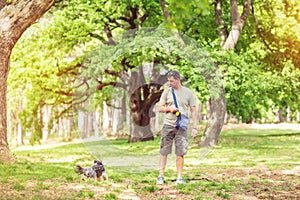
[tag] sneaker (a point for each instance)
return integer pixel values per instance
(160, 180)
(180, 181)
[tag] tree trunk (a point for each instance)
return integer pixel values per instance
(105, 122)
(216, 121)
(143, 97)
(140, 133)
(20, 134)
(279, 116)
(5, 155)
(208, 110)
(45, 117)
(15, 18)
(140, 124)
(288, 115)
(199, 111)
(123, 111)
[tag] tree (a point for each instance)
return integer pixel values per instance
(277, 26)
(110, 20)
(158, 46)
(15, 17)
(228, 42)
(228, 37)
(45, 79)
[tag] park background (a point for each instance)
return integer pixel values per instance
(62, 85)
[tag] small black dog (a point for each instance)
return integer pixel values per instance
(96, 171)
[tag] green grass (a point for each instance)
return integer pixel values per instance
(224, 173)
(251, 147)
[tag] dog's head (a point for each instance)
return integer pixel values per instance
(97, 162)
(89, 172)
(98, 167)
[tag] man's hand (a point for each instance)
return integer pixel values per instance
(194, 132)
(171, 109)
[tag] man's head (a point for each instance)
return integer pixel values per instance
(174, 79)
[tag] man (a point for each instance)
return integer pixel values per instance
(185, 100)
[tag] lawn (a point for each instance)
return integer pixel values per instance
(247, 164)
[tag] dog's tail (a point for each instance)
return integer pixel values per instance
(79, 169)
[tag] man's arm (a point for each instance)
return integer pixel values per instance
(162, 107)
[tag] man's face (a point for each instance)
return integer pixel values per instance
(174, 82)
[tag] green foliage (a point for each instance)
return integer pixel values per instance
(278, 27)
(184, 12)
(160, 45)
(260, 76)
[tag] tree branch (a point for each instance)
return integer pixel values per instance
(259, 32)
(246, 10)
(131, 19)
(168, 18)
(165, 11)
(152, 99)
(237, 23)
(108, 33)
(113, 73)
(112, 83)
(70, 69)
(2, 4)
(125, 64)
(223, 31)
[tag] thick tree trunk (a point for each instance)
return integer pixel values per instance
(5, 155)
(140, 133)
(216, 120)
(143, 97)
(15, 18)
(140, 124)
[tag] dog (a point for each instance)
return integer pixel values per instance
(96, 171)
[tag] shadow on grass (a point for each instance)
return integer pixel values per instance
(277, 135)
(192, 179)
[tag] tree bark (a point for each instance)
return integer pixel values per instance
(238, 23)
(288, 115)
(279, 116)
(298, 116)
(15, 18)
(216, 121)
(143, 96)
(223, 32)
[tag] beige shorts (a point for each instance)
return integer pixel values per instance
(170, 134)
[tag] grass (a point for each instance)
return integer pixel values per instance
(247, 163)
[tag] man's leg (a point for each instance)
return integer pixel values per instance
(179, 165)
(181, 143)
(162, 164)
